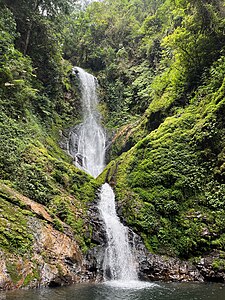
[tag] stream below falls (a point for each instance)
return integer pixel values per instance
(155, 291)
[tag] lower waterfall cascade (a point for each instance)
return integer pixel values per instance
(119, 261)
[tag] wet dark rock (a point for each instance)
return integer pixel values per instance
(64, 137)
(153, 267)
(94, 263)
(71, 261)
(61, 281)
(95, 256)
(158, 267)
(212, 266)
(98, 236)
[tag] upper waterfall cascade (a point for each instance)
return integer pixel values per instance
(87, 140)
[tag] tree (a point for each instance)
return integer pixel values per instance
(40, 25)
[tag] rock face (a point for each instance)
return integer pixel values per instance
(153, 267)
(94, 257)
(157, 267)
(62, 262)
(5, 280)
(212, 267)
(52, 258)
(55, 261)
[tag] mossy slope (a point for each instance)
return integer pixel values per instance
(170, 185)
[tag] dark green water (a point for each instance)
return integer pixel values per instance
(159, 291)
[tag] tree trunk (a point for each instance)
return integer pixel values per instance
(27, 38)
(36, 4)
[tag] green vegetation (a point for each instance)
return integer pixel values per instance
(14, 233)
(160, 66)
(12, 269)
(39, 98)
(170, 184)
(218, 263)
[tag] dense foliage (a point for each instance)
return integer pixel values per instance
(38, 99)
(142, 50)
(160, 66)
(171, 184)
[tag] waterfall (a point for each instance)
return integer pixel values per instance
(87, 141)
(87, 146)
(119, 262)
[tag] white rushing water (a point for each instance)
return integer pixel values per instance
(87, 141)
(87, 146)
(119, 262)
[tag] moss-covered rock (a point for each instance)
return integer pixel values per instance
(170, 185)
(40, 244)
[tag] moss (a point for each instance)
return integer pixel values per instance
(72, 212)
(14, 233)
(12, 269)
(53, 182)
(34, 275)
(219, 264)
(168, 184)
(27, 280)
(35, 112)
(58, 225)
